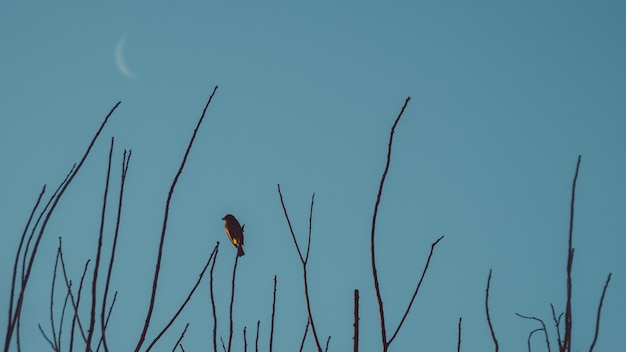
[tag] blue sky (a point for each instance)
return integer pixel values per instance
(504, 97)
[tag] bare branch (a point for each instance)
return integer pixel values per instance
(272, 321)
(308, 245)
(531, 335)
(543, 327)
(54, 348)
(213, 299)
(355, 338)
(182, 306)
(75, 302)
(557, 324)
(306, 330)
(570, 260)
(458, 344)
(125, 162)
(157, 268)
(304, 268)
(293, 235)
(595, 335)
(96, 267)
(419, 284)
(180, 338)
(17, 256)
(256, 340)
(31, 261)
(245, 340)
(493, 335)
(232, 303)
(379, 298)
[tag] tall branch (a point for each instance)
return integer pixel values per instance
(304, 261)
(157, 269)
(567, 339)
(125, 162)
(595, 335)
(379, 297)
(493, 334)
(96, 267)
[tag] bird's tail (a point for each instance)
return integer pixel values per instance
(240, 252)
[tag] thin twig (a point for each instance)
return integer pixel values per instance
(75, 302)
(157, 269)
(125, 163)
(62, 319)
(458, 344)
(379, 298)
(256, 340)
(327, 342)
(213, 298)
(567, 339)
(557, 324)
(595, 335)
(106, 322)
(531, 335)
(180, 338)
(419, 284)
(96, 267)
(308, 244)
(303, 261)
(17, 255)
(47, 338)
(543, 327)
(306, 330)
(293, 235)
(355, 338)
(223, 347)
(493, 334)
(272, 321)
(232, 303)
(245, 340)
(182, 306)
(54, 279)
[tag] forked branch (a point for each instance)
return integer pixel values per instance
(304, 260)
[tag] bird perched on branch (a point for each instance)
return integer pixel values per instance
(234, 232)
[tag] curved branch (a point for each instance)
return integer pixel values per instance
(595, 335)
(373, 252)
(493, 334)
(157, 268)
(419, 284)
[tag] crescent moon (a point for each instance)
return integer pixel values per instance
(120, 62)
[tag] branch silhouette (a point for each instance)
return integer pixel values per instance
(157, 268)
(304, 260)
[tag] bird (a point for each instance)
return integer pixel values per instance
(234, 232)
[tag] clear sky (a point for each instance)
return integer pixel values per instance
(504, 97)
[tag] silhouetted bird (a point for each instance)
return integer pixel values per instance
(234, 232)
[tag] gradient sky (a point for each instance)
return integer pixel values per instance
(504, 97)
